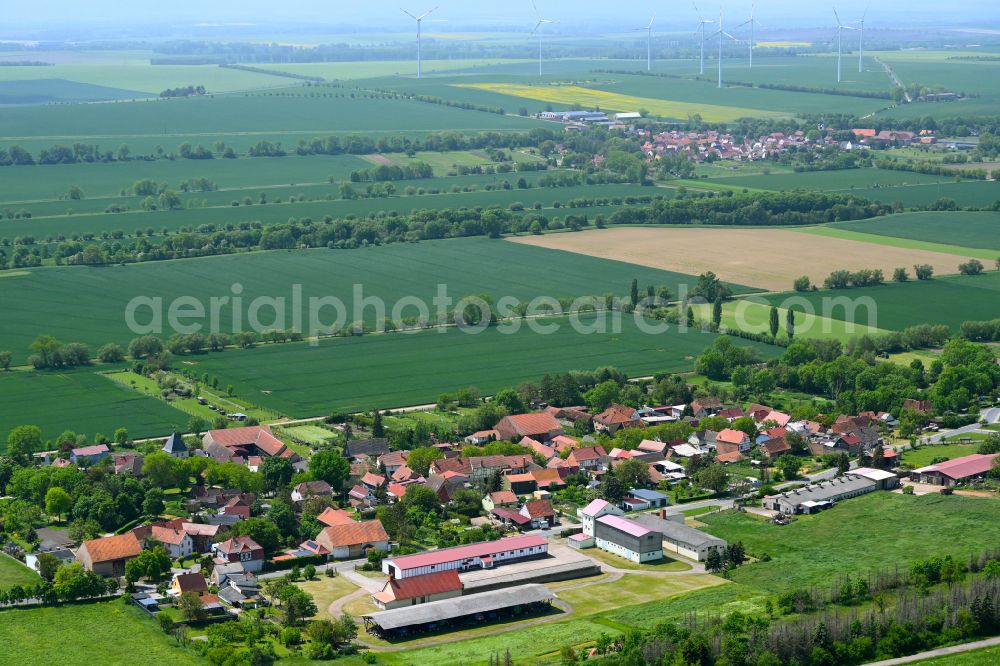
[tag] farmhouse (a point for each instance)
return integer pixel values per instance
(242, 550)
(187, 582)
(107, 556)
(202, 535)
(354, 540)
(418, 590)
(392, 461)
(500, 498)
(627, 538)
(88, 455)
(463, 558)
(177, 542)
(588, 458)
(481, 468)
(588, 515)
(707, 406)
(540, 426)
(128, 463)
(331, 517)
(681, 539)
(370, 448)
(730, 440)
(820, 496)
(540, 513)
(307, 489)
(953, 472)
(774, 448)
(616, 417)
(238, 444)
(638, 499)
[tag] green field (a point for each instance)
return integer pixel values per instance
(891, 241)
(45, 91)
(974, 193)
(222, 212)
(82, 401)
(946, 300)
(382, 371)
(973, 230)
(88, 304)
(109, 633)
(241, 120)
(753, 316)
(833, 181)
(13, 572)
(923, 456)
(43, 182)
(878, 530)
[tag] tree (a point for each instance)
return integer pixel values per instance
(790, 323)
(277, 473)
(633, 473)
(153, 504)
(331, 467)
(5, 360)
(191, 607)
(420, 459)
(261, 530)
(57, 502)
(601, 396)
(47, 348)
(378, 430)
(789, 466)
(923, 271)
(48, 564)
(121, 436)
(717, 311)
(714, 477)
(634, 292)
(802, 284)
(843, 464)
(510, 401)
(971, 267)
(164, 471)
(774, 322)
(23, 441)
(714, 563)
(900, 275)
(612, 489)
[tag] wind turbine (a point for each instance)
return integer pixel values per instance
(419, 20)
(840, 38)
(701, 27)
(861, 42)
(752, 22)
(649, 43)
(722, 34)
(538, 31)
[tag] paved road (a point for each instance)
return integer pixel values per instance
(991, 415)
(815, 477)
(954, 649)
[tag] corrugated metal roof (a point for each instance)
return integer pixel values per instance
(448, 609)
(466, 552)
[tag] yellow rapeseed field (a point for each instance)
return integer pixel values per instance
(609, 101)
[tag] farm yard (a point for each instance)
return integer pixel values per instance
(688, 251)
(88, 304)
(401, 369)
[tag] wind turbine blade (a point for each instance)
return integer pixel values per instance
(867, 7)
(839, 23)
(696, 10)
(408, 14)
(534, 6)
(427, 13)
(651, 21)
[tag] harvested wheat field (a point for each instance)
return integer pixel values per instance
(764, 258)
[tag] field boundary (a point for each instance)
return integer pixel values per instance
(895, 241)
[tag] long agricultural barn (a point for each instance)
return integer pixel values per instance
(811, 499)
(682, 539)
(454, 613)
(474, 556)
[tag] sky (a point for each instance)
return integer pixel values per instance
(456, 14)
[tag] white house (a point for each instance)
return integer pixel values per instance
(177, 542)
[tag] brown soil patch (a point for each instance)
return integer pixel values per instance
(764, 258)
(381, 160)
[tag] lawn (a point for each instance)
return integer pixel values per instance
(947, 300)
(399, 369)
(42, 636)
(700, 510)
(753, 315)
(13, 572)
(875, 530)
(82, 401)
(325, 591)
(310, 433)
(967, 229)
(88, 304)
(982, 657)
(921, 457)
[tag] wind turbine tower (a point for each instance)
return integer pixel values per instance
(701, 28)
(861, 42)
(419, 20)
(538, 31)
(722, 34)
(840, 40)
(752, 22)
(649, 43)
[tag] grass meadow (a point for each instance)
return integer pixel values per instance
(923, 456)
(82, 401)
(400, 369)
(13, 572)
(948, 300)
(109, 633)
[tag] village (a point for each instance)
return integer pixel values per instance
(530, 502)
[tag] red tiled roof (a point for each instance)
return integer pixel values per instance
(528, 424)
(960, 468)
(238, 544)
(511, 515)
(420, 586)
(339, 536)
(332, 517)
(167, 535)
(539, 509)
(371, 479)
(503, 497)
(107, 549)
(730, 436)
(733, 457)
(260, 436)
(588, 453)
(191, 582)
